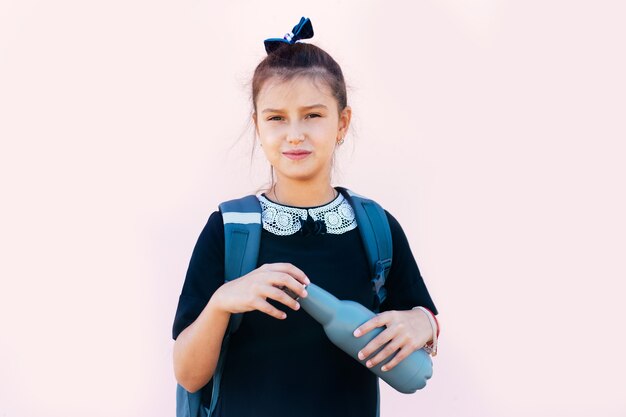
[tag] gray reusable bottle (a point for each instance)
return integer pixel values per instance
(340, 319)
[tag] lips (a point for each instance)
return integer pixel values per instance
(297, 154)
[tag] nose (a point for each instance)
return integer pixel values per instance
(295, 137)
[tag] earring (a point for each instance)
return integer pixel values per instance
(340, 142)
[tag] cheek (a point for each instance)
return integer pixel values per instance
(327, 138)
(271, 147)
(271, 152)
(268, 136)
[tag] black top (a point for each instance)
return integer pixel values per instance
(282, 368)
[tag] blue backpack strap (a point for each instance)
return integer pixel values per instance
(188, 404)
(242, 237)
(376, 235)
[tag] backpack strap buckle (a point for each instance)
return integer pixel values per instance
(382, 268)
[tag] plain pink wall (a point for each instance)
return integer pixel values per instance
(494, 132)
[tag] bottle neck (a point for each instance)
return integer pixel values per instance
(320, 304)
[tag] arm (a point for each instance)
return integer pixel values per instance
(199, 327)
(206, 303)
(407, 329)
(405, 286)
(197, 348)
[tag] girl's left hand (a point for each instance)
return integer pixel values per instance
(407, 331)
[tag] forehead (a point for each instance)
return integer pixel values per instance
(300, 90)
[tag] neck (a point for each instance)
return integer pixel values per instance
(298, 194)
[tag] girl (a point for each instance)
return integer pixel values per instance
(280, 362)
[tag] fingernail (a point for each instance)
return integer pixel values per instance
(284, 315)
(369, 364)
(357, 333)
(305, 293)
(307, 280)
(384, 369)
(361, 356)
(297, 306)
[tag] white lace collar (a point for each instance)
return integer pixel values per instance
(337, 216)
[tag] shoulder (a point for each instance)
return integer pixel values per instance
(394, 225)
(393, 222)
(400, 242)
(215, 225)
(212, 234)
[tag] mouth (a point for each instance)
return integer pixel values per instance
(299, 154)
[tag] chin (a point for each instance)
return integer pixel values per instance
(301, 171)
(299, 175)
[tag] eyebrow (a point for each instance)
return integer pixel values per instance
(312, 106)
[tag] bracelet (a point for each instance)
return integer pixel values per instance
(431, 347)
(434, 317)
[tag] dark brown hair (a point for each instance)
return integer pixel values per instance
(292, 60)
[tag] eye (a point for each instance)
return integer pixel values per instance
(274, 118)
(311, 115)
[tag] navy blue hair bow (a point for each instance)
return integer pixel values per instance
(303, 30)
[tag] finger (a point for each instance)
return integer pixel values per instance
(376, 343)
(270, 310)
(296, 288)
(292, 294)
(283, 280)
(282, 297)
(391, 348)
(376, 321)
(404, 352)
(292, 270)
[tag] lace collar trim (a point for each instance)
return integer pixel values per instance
(336, 217)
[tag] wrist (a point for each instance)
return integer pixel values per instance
(215, 304)
(431, 346)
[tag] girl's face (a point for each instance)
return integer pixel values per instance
(299, 124)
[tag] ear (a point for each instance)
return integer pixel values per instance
(344, 120)
(254, 120)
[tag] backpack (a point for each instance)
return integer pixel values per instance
(242, 236)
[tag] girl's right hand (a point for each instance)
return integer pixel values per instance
(251, 291)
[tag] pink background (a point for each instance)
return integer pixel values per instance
(493, 130)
